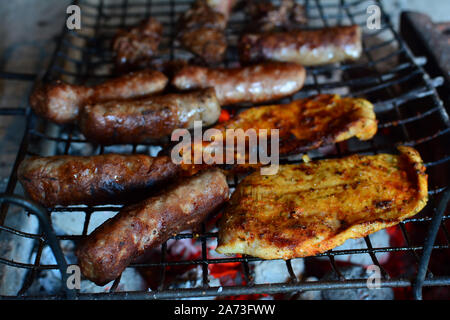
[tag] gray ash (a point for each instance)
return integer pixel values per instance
(355, 272)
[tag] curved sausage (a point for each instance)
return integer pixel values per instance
(101, 179)
(137, 121)
(107, 251)
(61, 102)
(256, 83)
(306, 47)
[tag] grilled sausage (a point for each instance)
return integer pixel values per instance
(108, 178)
(61, 102)
(144, 120)
(108, 250)
(306, 47)
(255, 84)
(136, 46)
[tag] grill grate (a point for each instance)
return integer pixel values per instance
(407, 106)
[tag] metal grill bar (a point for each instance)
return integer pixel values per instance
(396, 92)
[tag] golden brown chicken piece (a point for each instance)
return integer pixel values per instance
(313, 207)
(309, 123)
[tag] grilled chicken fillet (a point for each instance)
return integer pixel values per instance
(266, 16)
(309, 208)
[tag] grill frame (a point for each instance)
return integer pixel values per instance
(375, 83)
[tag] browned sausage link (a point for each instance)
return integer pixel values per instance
(307, 47)
(135, 47)
(257, 83)
(109, 178)
(149, 119)
(107, 251)
(61, 102)
(223, 6)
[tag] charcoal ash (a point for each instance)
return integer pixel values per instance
(355, 272)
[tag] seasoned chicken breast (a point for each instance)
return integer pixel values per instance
(310, 208)
(309, 123)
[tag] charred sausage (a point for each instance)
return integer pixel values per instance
(108, 178)
(61, 102)
(256, 83)
(108, 250)
(137, 121)
(306, 47)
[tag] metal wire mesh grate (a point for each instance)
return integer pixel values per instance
(408, 110)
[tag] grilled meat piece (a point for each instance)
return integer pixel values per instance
(255, 84)
(201, 30)
(108, 178)
(306, 47)
(309, 123)
(207, 43)
(309, 208)
(265, 16)
(108, 250)
(144, 120)
(201, 15)
(223, 6)
(137, 46)
(61, 102)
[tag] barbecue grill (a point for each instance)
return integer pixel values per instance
(407, 106)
